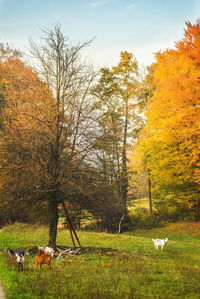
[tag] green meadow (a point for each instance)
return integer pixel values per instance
(117, 266)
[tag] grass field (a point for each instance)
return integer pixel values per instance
(134, 270)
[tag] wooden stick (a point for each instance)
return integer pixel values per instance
(71, 228)
(120, 222)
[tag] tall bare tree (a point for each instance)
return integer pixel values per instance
(69, 80)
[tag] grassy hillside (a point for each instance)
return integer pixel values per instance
(134, 270)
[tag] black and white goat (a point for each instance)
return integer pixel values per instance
(17, 256)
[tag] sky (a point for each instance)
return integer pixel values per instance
(142, 27)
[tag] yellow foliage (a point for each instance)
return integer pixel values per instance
(170, 141)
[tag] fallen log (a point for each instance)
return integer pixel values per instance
(68, 252)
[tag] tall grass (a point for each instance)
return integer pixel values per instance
(134, 270)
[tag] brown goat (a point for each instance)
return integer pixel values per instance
(43, 258)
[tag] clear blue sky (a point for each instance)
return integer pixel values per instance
(139, 26)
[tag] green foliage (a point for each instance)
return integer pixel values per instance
(142, 220)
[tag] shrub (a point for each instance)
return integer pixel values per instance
(142, 220)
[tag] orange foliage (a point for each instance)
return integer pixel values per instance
(170, 141)
(26, 118)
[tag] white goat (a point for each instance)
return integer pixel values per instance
(47, 250)
(159, 242)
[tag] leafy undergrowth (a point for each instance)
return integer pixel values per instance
(126, 266)
(134, 205)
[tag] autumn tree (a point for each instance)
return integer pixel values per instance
(22, 93)
(169, 142)
(117, 94)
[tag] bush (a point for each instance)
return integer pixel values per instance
(142, 220)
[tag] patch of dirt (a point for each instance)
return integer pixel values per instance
(2, 295)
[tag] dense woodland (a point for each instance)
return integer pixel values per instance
(76, 141)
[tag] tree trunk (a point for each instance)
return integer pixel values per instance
(53, 221)
(124, 161)
(120, 223)
(150, 193)
(124, 183)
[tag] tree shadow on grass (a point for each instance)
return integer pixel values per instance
(32, 250)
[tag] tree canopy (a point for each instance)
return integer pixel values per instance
(169, 142)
